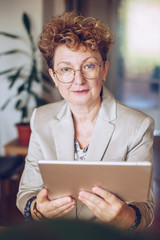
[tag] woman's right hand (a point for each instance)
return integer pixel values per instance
(52, 208)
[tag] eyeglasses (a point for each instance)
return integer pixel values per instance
(89, 70)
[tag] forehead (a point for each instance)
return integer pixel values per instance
(64, 54)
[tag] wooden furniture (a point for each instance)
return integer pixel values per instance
(14, 148)
(10, 170)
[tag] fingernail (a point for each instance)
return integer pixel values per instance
(72, 206)
(80, 196)
(95, 188)
(68, 199)
(81, 193)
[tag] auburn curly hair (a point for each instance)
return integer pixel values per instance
(74, 30)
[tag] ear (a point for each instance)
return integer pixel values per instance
(106, 67)
(50, 70)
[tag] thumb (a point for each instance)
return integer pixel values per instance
(42, 195)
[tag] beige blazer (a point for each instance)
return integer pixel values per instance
(120, 134)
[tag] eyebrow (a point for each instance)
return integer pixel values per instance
(66, 62)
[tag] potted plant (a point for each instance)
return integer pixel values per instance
(27, 79)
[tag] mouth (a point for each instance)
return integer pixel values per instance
(81, 91)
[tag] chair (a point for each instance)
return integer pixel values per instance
(10, 166)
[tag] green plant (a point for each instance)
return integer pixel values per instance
(27, 79)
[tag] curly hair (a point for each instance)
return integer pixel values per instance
(74, 30)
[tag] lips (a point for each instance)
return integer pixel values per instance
(81, 91)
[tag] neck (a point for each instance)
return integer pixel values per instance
(84, 119)
(85, 114)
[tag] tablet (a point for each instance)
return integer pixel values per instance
(130, 181)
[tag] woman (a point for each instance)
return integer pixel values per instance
(89, 124)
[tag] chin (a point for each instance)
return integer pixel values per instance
(77, 99)
(80, 103)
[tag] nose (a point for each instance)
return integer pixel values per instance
(78, 77)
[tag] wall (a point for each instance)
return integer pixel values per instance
(11, 12)
(39, 12)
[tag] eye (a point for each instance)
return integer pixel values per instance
(65, 70)
(89, 66)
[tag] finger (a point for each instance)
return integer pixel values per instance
(106, 195)
(57, 206)
(91, 200)
(42, 195)
(86, 195)
(60, 202)
(60, 211)
(87, 202)
(101, 209)
(63, 212)
(93, 203)
(50, 208)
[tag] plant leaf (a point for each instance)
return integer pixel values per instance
(5, 104)
(26, 23)
(23, 112)
(18, 103)
(21, 88)
(9, 52)
(10, 35)
(35, 74)
(37, 79)
(13, 52)
(14, 77)
(7, 71)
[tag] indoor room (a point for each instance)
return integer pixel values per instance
(133, 78)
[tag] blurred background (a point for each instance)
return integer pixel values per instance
(134, 74)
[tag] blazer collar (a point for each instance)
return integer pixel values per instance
(64, 134)
(108, 107)
(104, 128)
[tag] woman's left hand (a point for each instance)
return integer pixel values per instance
(108, 208)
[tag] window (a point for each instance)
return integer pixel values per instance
(139, 53)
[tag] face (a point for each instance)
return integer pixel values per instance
(80, 91)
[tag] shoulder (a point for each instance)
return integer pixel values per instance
(131, 115)
(47, 113)
(51, 108)
(121, 114)
(133, 123)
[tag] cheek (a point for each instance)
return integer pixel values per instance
(63, 89)
(97, 84)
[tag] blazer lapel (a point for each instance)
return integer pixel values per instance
(104, 128)
(101, 137)
(64, 132)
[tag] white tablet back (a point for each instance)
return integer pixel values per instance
(130, 181)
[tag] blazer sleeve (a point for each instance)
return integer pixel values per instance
(141, 149)
(31, 182)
